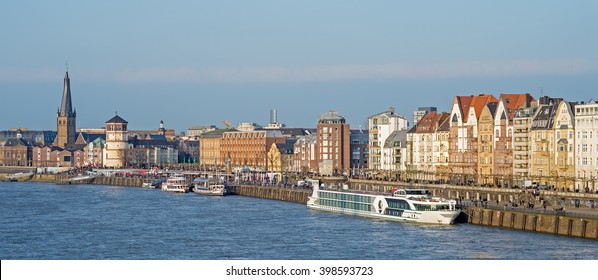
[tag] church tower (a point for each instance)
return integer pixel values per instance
(66, 117)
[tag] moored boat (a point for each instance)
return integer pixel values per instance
(176, 184)
(155, 184)
(405, 205)
(204, 186)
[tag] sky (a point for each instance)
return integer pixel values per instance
(201, 62)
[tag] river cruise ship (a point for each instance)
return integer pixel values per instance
(176, 184)
(404, 205)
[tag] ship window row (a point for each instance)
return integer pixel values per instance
(346, 204)
(347, 197)
(398, 204)
(428, 207)
(393, 212)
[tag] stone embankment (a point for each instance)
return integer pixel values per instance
(284, 194)
(545, 223)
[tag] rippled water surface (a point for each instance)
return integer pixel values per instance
(46, 221)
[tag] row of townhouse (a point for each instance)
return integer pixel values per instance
(512, 140)
(21, 151)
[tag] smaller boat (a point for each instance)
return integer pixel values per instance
(155, 184)
(176, 184)
(204, 186)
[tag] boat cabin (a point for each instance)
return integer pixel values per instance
(412, 193)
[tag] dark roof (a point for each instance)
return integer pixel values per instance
(544, 118)
(117, 119)
(492, 107)
(74, 147)
(286, 148)
(90, 137)
(18, 142)
(296, 132)
(157, 137)
(396, 137)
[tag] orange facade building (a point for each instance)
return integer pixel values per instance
(248, 148)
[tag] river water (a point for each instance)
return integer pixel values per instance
(80, 222)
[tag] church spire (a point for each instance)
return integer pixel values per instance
(66, 108)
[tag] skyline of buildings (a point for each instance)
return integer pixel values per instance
(489, 141)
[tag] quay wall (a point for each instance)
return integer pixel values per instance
(290, 195)
(113, 181)
(543, 223)
(121, 181)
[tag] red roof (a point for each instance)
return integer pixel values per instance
(463, 102)
(478, 102)
(430, 122)
(515, 101)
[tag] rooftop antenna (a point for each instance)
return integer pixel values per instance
(116, 113)
(541, 91)
(67, 65)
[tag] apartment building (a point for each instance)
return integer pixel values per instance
(586, 145)
(381, 126)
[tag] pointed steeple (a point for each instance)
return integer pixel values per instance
(66, 108)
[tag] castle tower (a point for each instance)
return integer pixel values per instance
(117, 139)
(66, 117)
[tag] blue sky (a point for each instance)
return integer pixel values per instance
(200, 62)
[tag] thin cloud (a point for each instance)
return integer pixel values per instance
(322, 73)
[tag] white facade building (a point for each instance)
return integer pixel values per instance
(381, 126)
(586, 145)
(395, 151)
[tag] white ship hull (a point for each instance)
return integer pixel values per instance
(427, 217)
(426, 210)
(209, 192)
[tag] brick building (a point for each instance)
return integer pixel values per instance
(333, 144)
